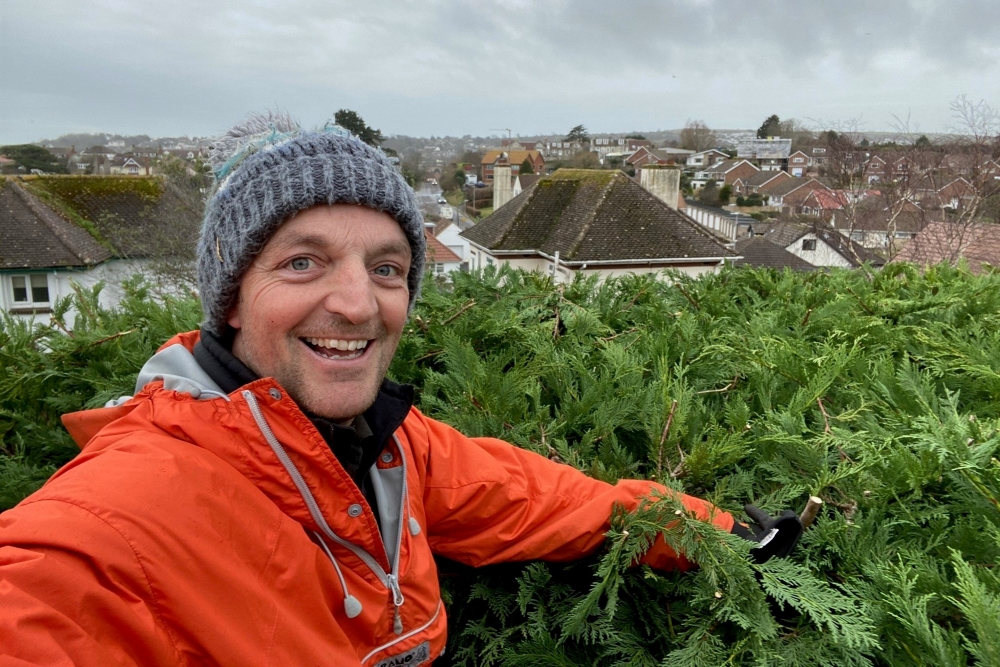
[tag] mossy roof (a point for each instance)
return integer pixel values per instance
(132, 216)
(33, 236)
(590, 215)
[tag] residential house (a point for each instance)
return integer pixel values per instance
(824, 204)
(882, 224)
(820, 155)
(596, 222)
(514, 158)
(605, 146)
(759, 182)
(557, 150)
(126, 165)
(783, 195)
(758, 252)
(705, 158)
(449, 232)
(770, 154)
(646, 155)
(59, 230)
(439, 258)
(819, 245)
(726, 172)
(875, 169)
(799, 163)
(956, 195)
(976, 243)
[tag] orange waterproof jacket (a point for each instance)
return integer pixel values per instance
(202, 528)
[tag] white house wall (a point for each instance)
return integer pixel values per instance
(451, 237)
(823, 255)
(60, 284)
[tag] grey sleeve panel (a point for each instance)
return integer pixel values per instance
(388, 487)
(177, 367)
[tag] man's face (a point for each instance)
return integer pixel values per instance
(322, 307)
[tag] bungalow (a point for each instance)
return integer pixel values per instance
(819, 245)
(596, 222)
(59, 230)
(976, 243)
(439, 258)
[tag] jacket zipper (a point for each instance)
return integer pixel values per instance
(402, 638)
(389, 580)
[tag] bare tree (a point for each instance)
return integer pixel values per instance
(884, 195)
(696, 136)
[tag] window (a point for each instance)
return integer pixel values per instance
(439, 267)
(30, 290)
(808, 244)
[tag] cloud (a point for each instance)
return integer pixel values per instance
(456, 67)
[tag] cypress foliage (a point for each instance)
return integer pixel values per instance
(877, 394)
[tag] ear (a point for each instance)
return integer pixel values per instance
(233, 319)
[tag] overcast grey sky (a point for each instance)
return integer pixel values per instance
(458, 67)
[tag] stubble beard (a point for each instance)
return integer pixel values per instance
(312, 396)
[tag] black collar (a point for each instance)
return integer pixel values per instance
(358, 446)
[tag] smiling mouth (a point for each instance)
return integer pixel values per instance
(336, 348)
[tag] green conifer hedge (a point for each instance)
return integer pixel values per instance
(877, 394)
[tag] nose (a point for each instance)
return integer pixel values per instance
(351, 293)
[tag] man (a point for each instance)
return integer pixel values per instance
(267, 497)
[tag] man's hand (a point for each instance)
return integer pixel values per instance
(775, 536)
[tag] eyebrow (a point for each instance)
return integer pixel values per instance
(316, 241)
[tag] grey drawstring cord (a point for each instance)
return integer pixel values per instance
(352, 606)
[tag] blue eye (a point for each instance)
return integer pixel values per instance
(386, 271)
(300, 264)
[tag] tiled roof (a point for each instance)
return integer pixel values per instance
(787, 187)
(32, 236)
(786, 233)
(762, 177)
(594, 215)
(514, 157)
(948, 242)
(439, 252)
(726, 165)
(136, 216)
(760, 252)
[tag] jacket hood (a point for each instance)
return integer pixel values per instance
(173, 364)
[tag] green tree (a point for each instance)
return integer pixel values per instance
(351, 121)
(30, 156)
(636, 136)
(922, 142)
(725, 192)
(527, 167)
(709, 195)
(578, 133)
(770, 127)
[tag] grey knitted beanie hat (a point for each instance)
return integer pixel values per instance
(267, 169)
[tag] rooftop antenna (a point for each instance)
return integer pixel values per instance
(501, 129)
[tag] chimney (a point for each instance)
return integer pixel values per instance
(663, 181)
(502, 186)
